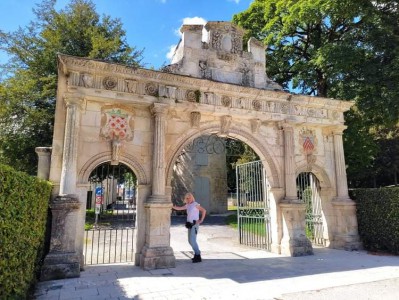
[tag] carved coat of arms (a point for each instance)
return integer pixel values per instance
(116, 125)
(308, 141)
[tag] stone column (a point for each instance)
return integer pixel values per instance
(289, 164)
(346, 230)
(294, 241)
(157, 252)
(43, 166)
(62, 261)
(69, 156)
(340, 167)
(158, 161)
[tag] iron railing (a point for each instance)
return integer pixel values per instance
(253, 205)
(308, 188)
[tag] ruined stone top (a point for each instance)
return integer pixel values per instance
(214, 51)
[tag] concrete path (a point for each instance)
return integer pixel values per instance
(231, 271)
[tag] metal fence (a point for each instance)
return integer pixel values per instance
(308, 189)
(111, 215)
(253, 205)
(104, 246)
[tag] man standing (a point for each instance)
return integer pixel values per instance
(193, 221)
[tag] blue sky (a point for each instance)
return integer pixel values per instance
(149, 24)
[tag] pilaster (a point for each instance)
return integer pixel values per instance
(289, 164)
(44, 159)
(158, 162)
(157, 252)
(71, 135)
(346, 234)
(340, 167)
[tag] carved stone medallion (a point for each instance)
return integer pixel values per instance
(226, 101)
(109, 83)
(151, 89)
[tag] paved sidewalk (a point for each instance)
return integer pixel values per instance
(231, 271)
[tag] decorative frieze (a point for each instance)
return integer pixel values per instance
(263, 101)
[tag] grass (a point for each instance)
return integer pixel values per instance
(231, 220)
(257, 227)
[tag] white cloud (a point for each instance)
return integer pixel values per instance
(194, 21)
(171, 51)
(187, 20)
(191, 21)
(236, 1)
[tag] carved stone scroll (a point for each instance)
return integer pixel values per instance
(255, 125)
(195, 118)
(225, 125)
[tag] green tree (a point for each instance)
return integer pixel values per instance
(237, 152)
(340, 49)
(28, 87)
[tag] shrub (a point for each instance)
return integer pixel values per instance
(23, 213)
(378, 218)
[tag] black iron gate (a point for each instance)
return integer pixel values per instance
(308, 188)
(253, 205)
(110, 215)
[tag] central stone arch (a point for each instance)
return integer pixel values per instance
(235, 132)
(144, 118)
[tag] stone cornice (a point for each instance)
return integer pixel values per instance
(113, 79)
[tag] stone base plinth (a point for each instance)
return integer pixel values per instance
(294, 241)
(346, 235)
(299, 246)
(60, 266)
(157, 258)
(346, 242)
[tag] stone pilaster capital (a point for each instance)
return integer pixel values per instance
(65, 202)
(286, 126)
(71, 101)
(159, 108)
(43, 151)
(339, 130)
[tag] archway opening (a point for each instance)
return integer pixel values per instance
(110, 215)
(308, 189)
(209, 167)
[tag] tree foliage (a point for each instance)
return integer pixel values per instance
(28, 87)
(338, 49)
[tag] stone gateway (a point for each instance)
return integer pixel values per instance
(108, 112)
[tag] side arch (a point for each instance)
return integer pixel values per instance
(130, 161)
(272, 172)
(317, 170)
